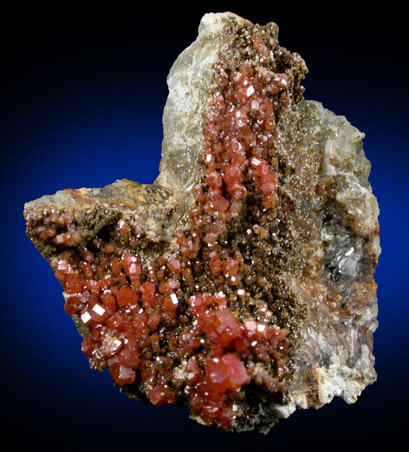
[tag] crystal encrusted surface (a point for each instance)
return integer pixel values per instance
(240, 284)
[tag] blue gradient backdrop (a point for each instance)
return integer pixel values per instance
(82, 106)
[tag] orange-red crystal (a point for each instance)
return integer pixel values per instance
(176, 328)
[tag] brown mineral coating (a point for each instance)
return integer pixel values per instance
(215, 301)
(73, 217)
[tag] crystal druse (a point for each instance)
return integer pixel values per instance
(239, 285)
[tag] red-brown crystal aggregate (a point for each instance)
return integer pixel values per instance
(178, 329)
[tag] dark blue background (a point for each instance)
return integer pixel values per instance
(82, 105)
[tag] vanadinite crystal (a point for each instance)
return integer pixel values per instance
(240, 284)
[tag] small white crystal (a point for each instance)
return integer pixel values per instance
(250, 90)
(85, 317)
(98, 309)
(174, 298)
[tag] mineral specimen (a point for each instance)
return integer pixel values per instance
(240, 284)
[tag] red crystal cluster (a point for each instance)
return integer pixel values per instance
(239, 146)
(142, 327)
(191, 326)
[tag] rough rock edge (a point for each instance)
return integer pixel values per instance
(342, 155)
(149, 209)
(189, 82)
